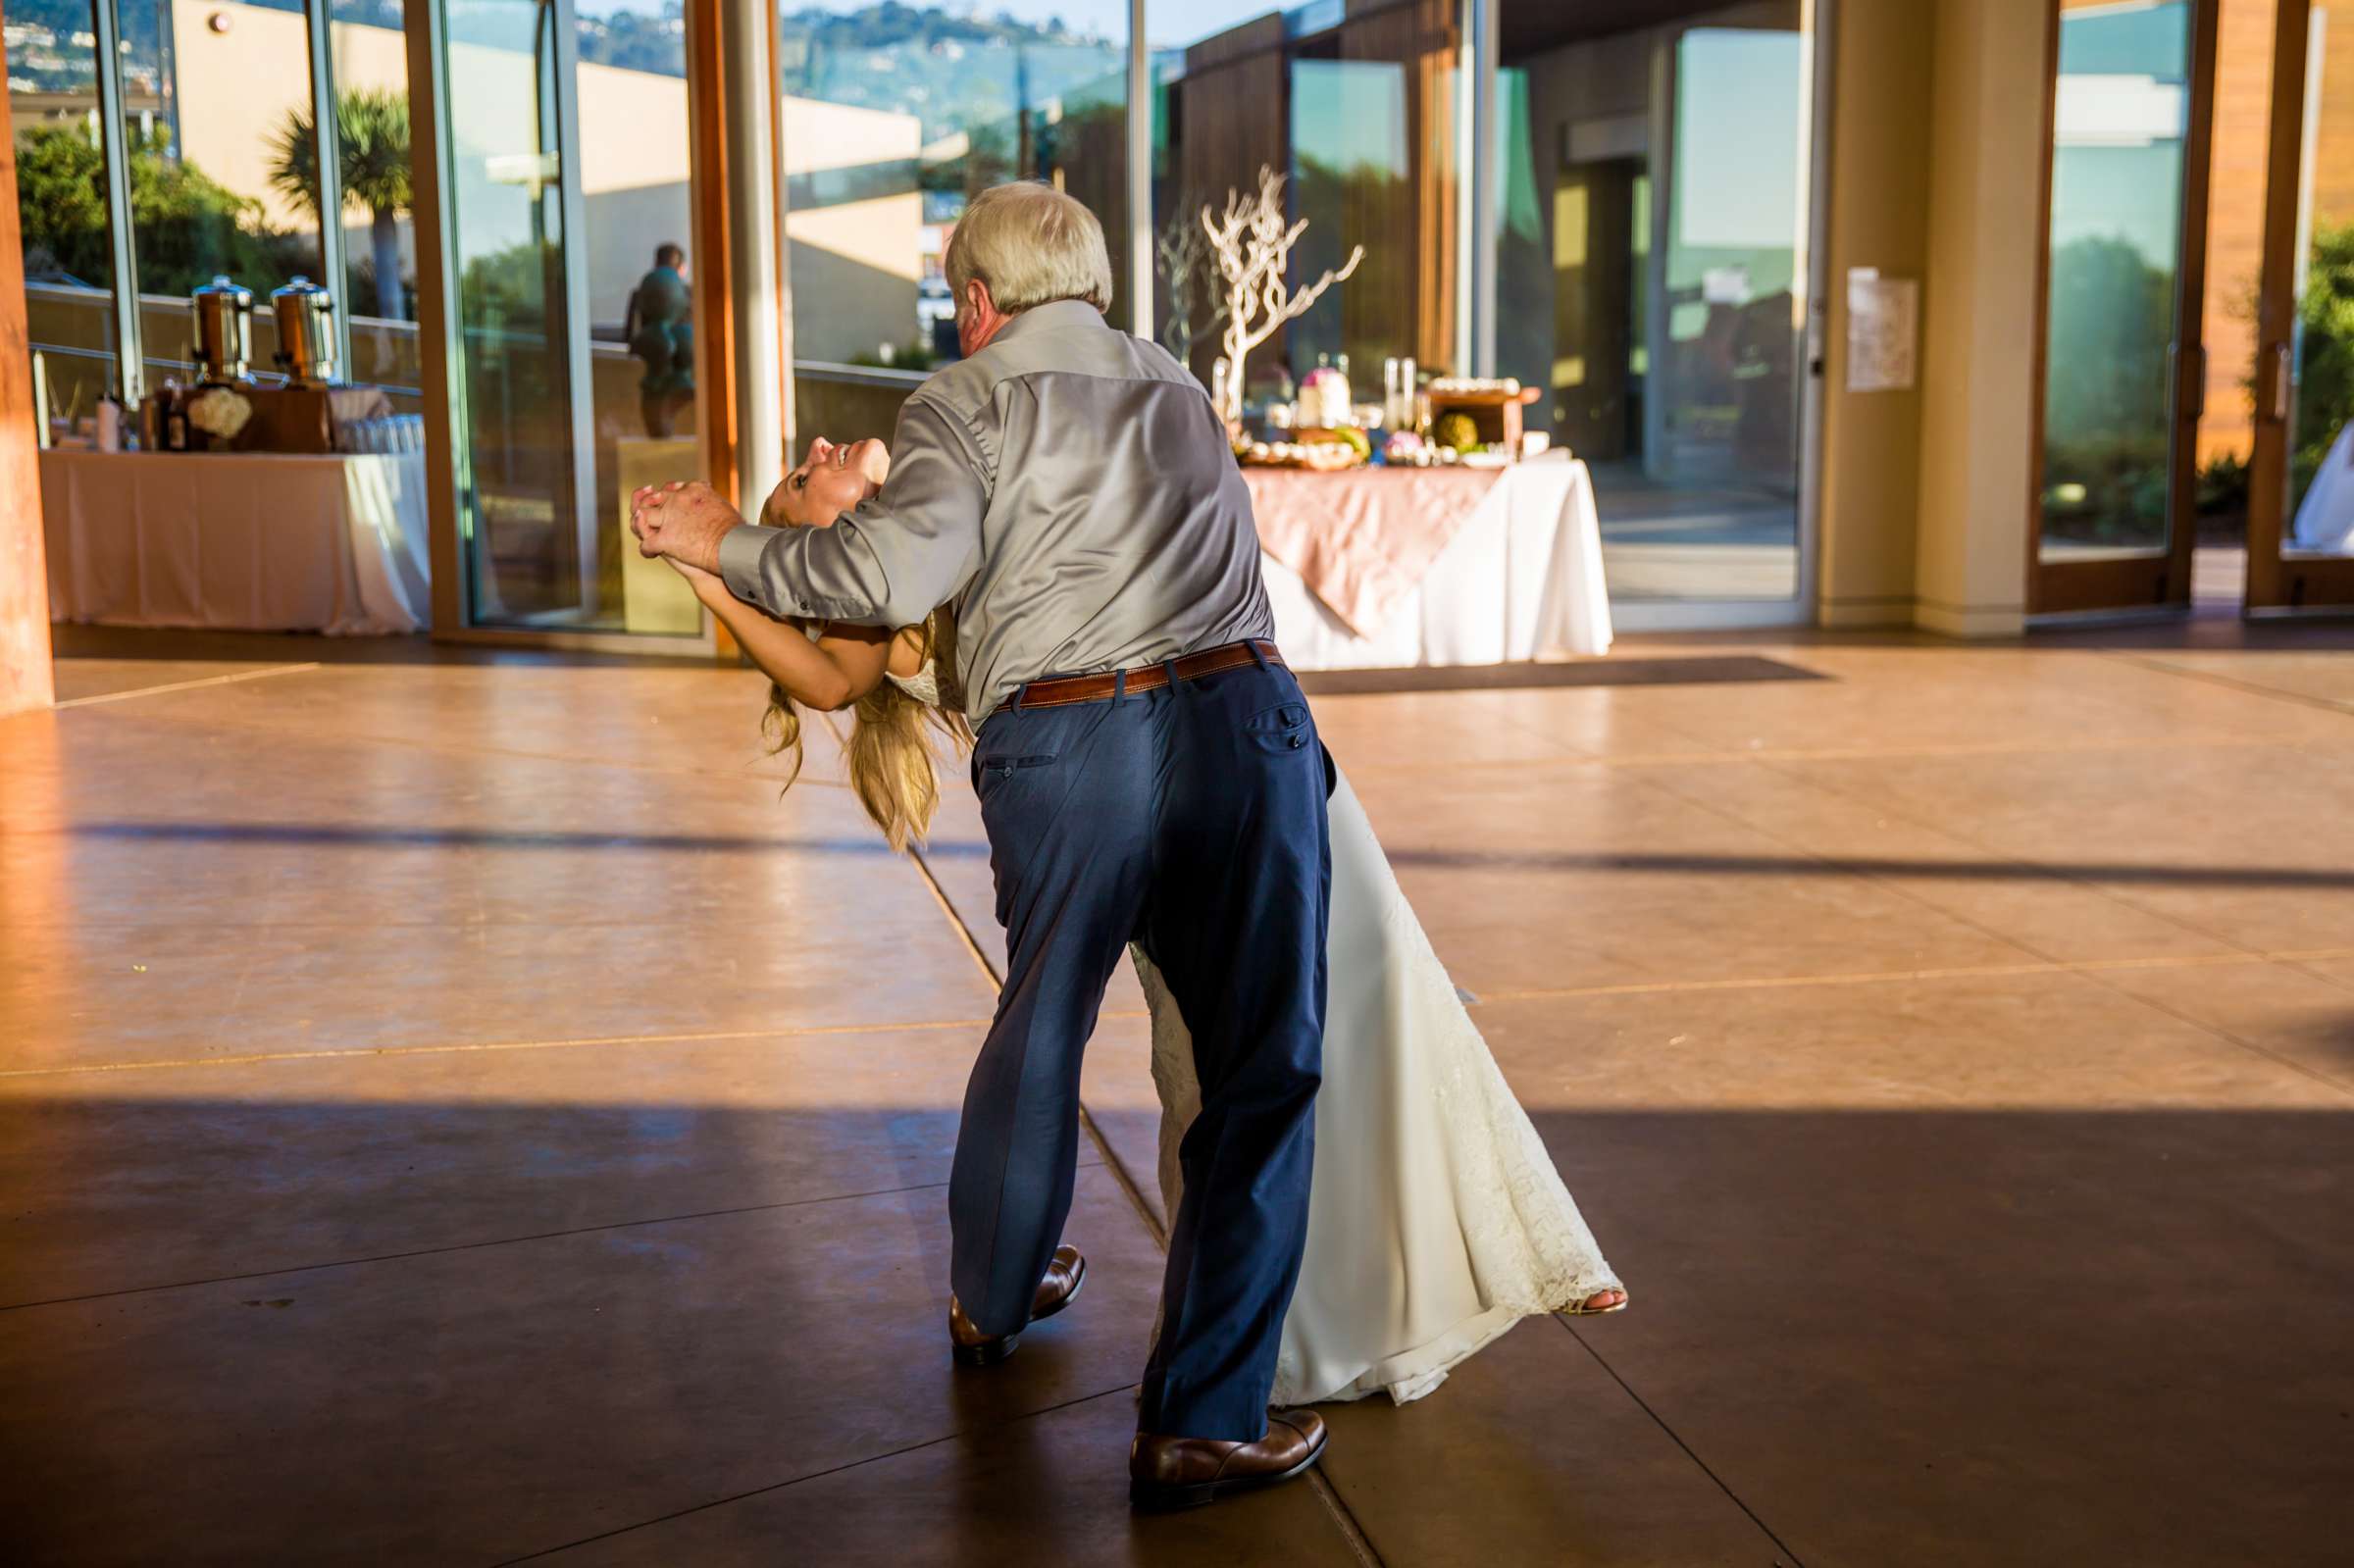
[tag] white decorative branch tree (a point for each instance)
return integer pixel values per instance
(1251, 245)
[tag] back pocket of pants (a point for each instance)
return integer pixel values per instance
(989, 772)
(1281, 729)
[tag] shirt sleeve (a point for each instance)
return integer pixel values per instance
(894, 560)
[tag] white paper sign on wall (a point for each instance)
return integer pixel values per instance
(1883, 330)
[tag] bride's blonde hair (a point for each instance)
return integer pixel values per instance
(892, 738)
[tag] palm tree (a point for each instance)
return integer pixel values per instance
(372, 133)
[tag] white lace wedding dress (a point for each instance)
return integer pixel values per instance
(1436, 1220)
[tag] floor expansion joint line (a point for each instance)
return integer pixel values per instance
(1678, 1438)
(717, 1036)
(466, 1246)
(1352, 1533)
(98, 697)
(814, 1474)
(1876, 977)
(2098, 970)
(2252, 688)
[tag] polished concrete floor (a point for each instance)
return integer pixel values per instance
(455, 1113)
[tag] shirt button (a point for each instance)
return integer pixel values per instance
(1295, 742)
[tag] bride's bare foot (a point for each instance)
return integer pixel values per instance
(1598, 1302)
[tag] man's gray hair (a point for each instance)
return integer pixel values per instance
(1032, 245)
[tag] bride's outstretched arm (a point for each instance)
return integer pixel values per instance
(831, 674)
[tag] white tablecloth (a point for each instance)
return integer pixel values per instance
(238, 541)
(1521, 579)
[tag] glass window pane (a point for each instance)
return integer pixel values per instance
(530, 546)
(569, 212)
(1218, 70)
(2321, 446)
(1352, 182)
(223, 163)
(377, 292)
(893, 119)
(1651, 225)
(1360, 114)
(61, 201)
(642, 301)
(2118, 161)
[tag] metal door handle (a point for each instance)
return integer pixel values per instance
(2276, 384)
(2190, 380)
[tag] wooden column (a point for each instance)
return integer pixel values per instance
(24, 680)
(714, 282)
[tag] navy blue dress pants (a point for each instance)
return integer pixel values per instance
(1190, 819)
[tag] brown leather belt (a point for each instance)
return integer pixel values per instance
(1066, 690)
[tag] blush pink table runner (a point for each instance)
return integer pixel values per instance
(1363, 539)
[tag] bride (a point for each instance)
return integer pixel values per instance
(1436, 1221)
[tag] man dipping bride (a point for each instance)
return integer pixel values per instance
(1150, 780)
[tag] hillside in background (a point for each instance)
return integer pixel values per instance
(952, 72)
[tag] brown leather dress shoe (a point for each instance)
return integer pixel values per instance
(1167, 1473)
(973, 1348)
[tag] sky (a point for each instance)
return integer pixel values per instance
(1167, 23)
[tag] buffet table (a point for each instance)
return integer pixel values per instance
(246, 541)
(1392, 567)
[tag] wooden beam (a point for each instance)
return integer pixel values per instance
(25, 669)
(717, 414)
(716, 411)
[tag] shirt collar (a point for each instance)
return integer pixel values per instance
(1050, 316)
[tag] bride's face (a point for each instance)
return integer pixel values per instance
(832, 480)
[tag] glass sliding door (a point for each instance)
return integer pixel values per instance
(2122, 374)
(524, 447)
(2301, 501)
(1653, 277)
(369, 60)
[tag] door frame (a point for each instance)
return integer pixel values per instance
(2279, 584)
(2125, 583)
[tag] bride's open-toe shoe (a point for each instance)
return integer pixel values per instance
(1587, 1308)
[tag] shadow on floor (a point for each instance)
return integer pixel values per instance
(1910, 1335)
(342, 836)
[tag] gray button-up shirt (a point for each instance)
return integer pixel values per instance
(1069, 488)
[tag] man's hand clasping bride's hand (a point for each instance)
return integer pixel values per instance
(683, 520)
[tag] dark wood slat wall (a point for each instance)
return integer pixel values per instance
(1232, 116)
(1403, 299)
